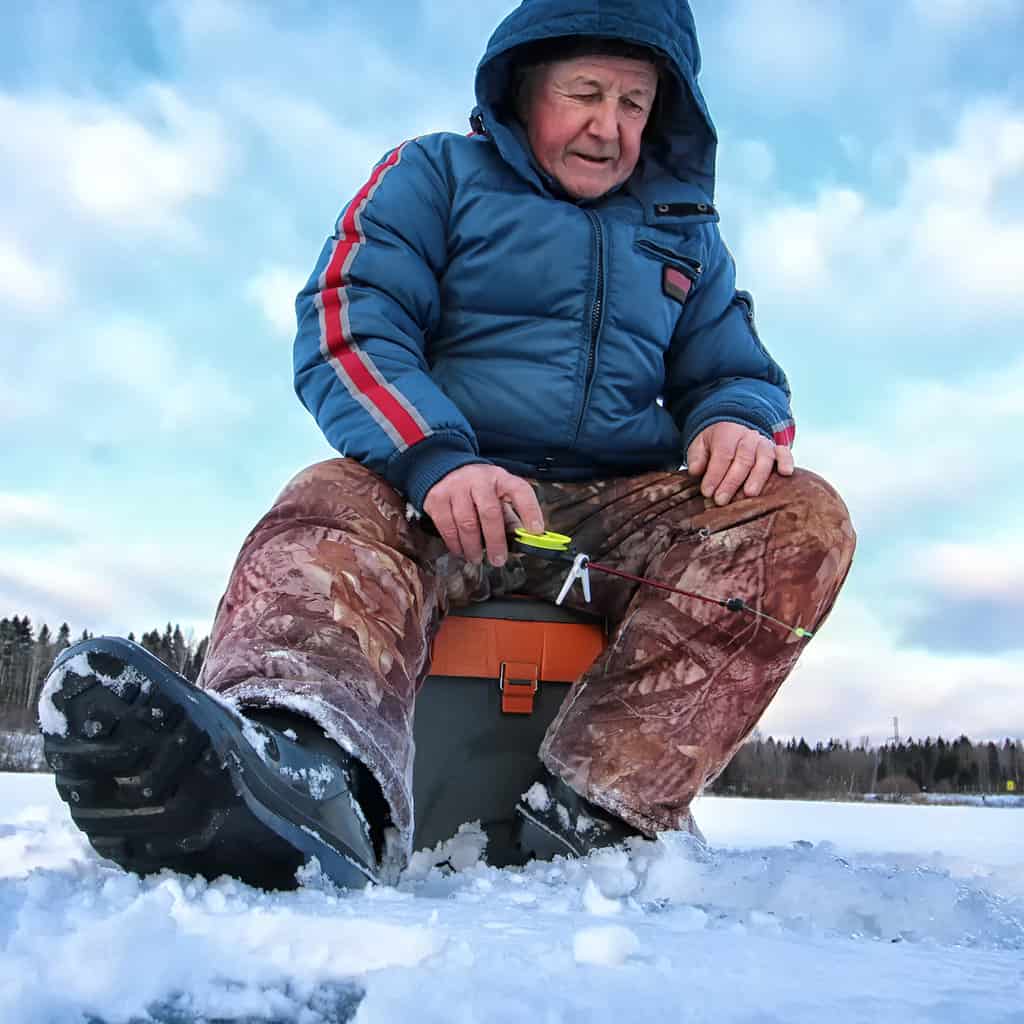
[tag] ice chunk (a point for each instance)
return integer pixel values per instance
(464, 850)
(595, 902)
(606, 945)
(537, 798)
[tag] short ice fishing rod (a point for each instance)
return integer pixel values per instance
(556, 547)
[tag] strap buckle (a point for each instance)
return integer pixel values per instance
(518, 683)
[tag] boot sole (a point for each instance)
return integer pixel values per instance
(158, 774)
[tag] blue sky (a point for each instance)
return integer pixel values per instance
(168, 172)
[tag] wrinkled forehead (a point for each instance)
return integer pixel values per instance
(628, 74)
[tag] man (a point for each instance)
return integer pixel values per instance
(536, 323)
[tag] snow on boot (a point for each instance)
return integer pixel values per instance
(555, 820)
(161, 774)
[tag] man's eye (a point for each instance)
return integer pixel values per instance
(586, 97)
(634, 108)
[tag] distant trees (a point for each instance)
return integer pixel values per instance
(773, 768)
(760, 768)
(26, 657)
(24, 661)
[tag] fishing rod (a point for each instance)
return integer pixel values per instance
(559, 547)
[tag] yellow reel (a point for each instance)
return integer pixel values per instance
(543, 541)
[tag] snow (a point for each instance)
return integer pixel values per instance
(595, 902)
(862, 912)
(609, 946)
(317, 780)
(257, 738)
(974, 799)
(54, 722)
(537, 797)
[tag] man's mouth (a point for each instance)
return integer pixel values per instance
(596, 160)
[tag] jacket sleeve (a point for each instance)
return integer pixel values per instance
(717, 369)
(365, 318)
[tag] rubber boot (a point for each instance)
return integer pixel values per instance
(161, 774)
(553, 820)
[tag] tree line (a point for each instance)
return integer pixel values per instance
(760, 768)
(774, 768)
(27, 656)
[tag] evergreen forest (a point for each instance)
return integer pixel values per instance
(762, 767)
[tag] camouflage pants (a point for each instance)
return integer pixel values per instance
(337, 593)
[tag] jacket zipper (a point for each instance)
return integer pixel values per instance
(595, 316)
(691, 267)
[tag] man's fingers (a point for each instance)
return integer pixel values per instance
(440, 511)
(492, 522)
(697, 456)
(743, 461)
(784, 459)
(762, 469)
(718, 465)
(521, 496)
(467, 522)
(477, 500)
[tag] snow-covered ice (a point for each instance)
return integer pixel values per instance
(796, 911)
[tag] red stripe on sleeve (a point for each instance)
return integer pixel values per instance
(354, 363)
(785, 434)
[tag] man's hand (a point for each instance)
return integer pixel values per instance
(471, 501)
(729, 455)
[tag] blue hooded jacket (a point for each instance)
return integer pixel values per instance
(467, 310)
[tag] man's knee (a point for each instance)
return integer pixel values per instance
(338, 487)
(817, 511)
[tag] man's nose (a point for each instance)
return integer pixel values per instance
(605, 123)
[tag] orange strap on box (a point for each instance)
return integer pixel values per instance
(518, 683)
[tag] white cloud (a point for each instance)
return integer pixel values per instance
(945, 248)
(273, 290)
(144, 375)
(753, 161)
(31, 512)
(133, 168)
(320, 144)
(22, 279)
(123, 171)
(798, 246)
(928, 439)
(795, 48)
(856, 676)
(987, 569)
(115, 587)
(958, 239)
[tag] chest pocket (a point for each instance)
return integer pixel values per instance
(679, 271)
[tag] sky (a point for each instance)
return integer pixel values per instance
(169, 171)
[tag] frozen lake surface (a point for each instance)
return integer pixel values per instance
(861, 912)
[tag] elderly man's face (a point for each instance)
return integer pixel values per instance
(585, 118)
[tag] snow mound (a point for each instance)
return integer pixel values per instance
(773, 934)
(608, 946)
